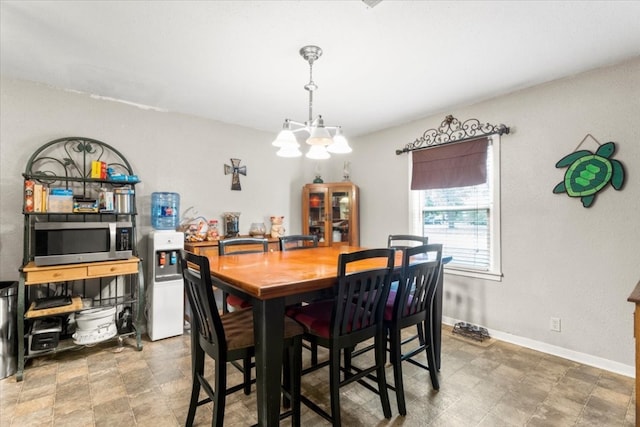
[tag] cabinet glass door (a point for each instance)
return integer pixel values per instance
(317, 215)
(340, 217)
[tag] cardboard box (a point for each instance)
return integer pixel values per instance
(60, 203)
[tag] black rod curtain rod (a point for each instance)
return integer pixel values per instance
(451, 130)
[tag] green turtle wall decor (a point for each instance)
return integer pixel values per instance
(588, 173)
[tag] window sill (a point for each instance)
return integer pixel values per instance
(487, 275)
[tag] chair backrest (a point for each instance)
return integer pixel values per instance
(242, 245)
(298, 241)
(361, 295)
(421, 270)
(403, 241)
(197, 283)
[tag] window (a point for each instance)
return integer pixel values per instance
(466, 220)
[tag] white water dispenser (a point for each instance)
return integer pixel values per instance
(165, 293)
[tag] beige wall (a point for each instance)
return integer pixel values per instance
(169, 152)
(559, 259)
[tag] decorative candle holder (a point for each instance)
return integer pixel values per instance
(345, 171)
(257, 229)
(231, 224)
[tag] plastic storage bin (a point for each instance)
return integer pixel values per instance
(8, 328)
(165, 208)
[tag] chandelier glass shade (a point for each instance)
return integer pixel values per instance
(318, 152)
(322, 139)
(340, 144)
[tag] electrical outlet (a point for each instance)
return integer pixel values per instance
(554, 324)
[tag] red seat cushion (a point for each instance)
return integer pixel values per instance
(388, 309)
(316, 317)
(237, 302)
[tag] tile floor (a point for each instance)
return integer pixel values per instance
(496, 384)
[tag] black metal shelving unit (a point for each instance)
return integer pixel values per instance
(67, 163)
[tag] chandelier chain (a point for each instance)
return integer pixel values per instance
(310, 87)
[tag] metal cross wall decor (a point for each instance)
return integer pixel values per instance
(236, 170)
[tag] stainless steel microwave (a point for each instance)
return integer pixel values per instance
(75, 242)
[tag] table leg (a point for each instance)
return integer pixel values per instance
(268, 323)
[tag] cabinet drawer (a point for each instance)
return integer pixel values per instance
(56, 275)
(112, 269)
(62, 273)
(207, 250)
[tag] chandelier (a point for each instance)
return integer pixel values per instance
(322, 139)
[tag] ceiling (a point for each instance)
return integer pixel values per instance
(238, 61)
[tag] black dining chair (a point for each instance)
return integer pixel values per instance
(239, 246)
(412, 304)
(401, 242)
(226, 338)
(354, 315)
(298, 241)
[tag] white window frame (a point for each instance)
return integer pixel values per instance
(494, 272)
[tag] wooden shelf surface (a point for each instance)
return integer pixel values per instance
(32, 313)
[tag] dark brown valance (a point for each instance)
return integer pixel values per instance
(452, 165)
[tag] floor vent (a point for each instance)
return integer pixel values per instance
(471, 331)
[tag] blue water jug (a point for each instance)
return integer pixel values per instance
(165, 210)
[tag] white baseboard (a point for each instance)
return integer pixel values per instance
(576, 356)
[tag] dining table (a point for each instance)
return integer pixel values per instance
(272, 281)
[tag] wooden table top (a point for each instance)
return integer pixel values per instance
(278, 274)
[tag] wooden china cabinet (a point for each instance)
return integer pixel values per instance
(330, 211)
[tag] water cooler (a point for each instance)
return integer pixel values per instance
(165, 293)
